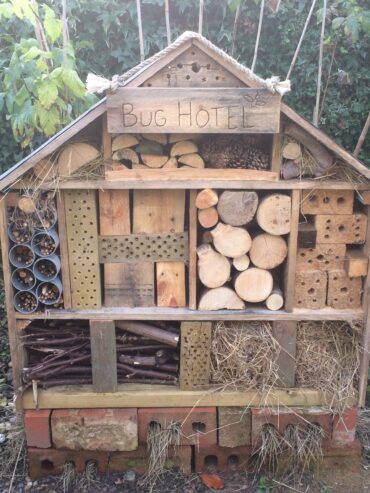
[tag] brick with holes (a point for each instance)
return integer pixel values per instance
(344, 291)
(327, 201)
(198, 425)
(280, 418)
(234, 426)
(45, 462)
(215, 458)
(95, 429)
(324, 257)
(137, 460)
(37, 427)
(310, 289)
(341, 228)
(344, 427)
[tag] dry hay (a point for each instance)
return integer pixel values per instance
(307, 163)
(292, 453)
(243, 355)
(328, 359)
(159, 443)
(13, 450)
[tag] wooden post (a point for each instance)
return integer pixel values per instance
(63, 247)
(289, 278)
(285, 332)
(192, 251)
(103, 355)
(276, 157)
(365, 359)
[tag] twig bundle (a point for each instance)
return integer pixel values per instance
(243, 355)
(328, 359)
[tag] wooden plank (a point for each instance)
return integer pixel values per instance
(289, 275)
(144, 247)
(82, 238)
(17, 352)
(356, 263)
(286, 335)
(103, 355)
(163, 211)
(185, 110)
(51, 145)
(142, 395)
(196, 339)
(202, 176)
(365, 356)
(63, 248)
(276, 155)
(193, 230)
(114, 215)
(159, 313)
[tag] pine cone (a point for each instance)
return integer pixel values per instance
(231, 151)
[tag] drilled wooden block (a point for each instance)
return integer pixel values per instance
(82, 239)
(310, 289)
(341, 228)
(324, 257)
(195, 350)
(142, 247)
(344, 291)
(356, 264)
(327, 201)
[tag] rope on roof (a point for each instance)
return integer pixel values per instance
(99, 84)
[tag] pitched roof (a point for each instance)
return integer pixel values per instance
(141, 72)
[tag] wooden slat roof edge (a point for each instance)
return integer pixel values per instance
(236, 68)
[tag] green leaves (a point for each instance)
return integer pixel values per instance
(73, 82)
(53, 26)
(47, 93)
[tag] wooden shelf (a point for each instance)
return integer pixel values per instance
(144, 395)
(187, 314)
(221, 182)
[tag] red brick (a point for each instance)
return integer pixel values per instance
(51, 461)
(234, 426)
(95, 429)
(226, 459)
(280, 418)
(37, 427)
(137, 460)
(344, 427)
(189, 419)
(347, 459)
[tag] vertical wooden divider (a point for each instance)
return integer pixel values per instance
(285, 332)
(276, 154)
(103, 355)
(63, 248)
(289, 277)
(193, 228)
(160, 212)
(15, 343)
(365, 357)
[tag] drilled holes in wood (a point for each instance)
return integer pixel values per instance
(143, 248)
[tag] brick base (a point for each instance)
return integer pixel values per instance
(344, 428)
(215, 458)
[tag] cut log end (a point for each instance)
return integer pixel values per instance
(206, 198)
(276, 299)
(231, 241)
(222, 298)
(237, 208)
(274, 214)
(208, 218)
(213, 268)
(268, 251)
(254, 285)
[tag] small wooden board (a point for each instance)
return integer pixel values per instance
(82, 238)
(103, 355)
(356, 264)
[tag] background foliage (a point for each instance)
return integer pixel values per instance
(104, 37)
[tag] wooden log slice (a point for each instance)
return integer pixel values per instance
(268, 251)
(274, 214)
(231, 241)
(208, 217)
(276, 299)
(206, 198)
(123, 141)
(26, 204)
(254, 285)
(241, 263)
(292, 151)
(193, 160)
(183, 147)
(237, 208)
(154, 161)
(171, 163)
(213, 268)
(45, 170)
(219, 299)
(74, 156)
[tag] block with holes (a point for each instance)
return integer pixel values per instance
(216, 458)
(310, 289)
(324, 256)
(281, 418)
(327, 201)
(344, 291)
(195, 425)
(234, 426)
(341, 228)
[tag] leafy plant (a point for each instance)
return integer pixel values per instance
(264, 486)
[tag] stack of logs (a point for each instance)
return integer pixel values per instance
(328, 271)
(60, 353)
(236, 264)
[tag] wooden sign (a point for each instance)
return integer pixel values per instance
(193, 110)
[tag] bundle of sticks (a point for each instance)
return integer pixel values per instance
(60, 354)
